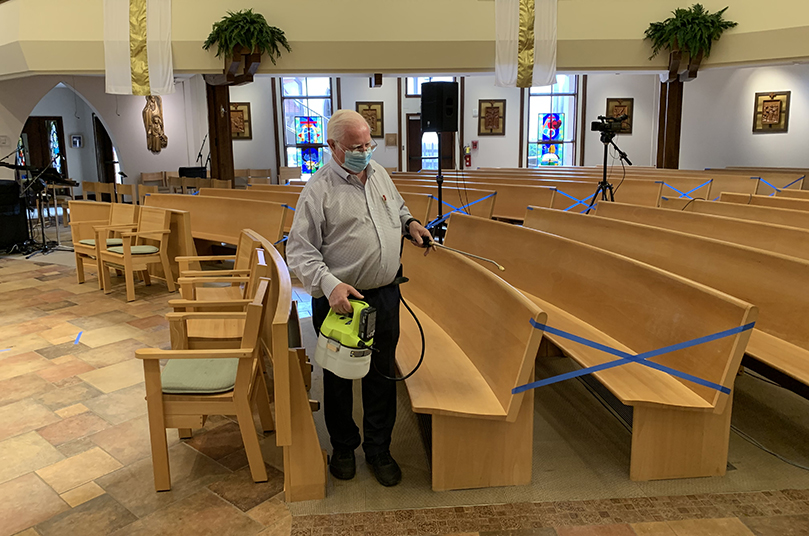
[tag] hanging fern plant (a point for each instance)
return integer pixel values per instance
(245, 29)
(690, 30)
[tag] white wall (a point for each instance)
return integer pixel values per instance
(76, 119)
(357, 88)
(641, 145)
(493, 151)
(259, 152)
(718, 119)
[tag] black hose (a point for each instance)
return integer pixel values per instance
(421, 359)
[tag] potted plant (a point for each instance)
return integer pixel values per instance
(691, 31)
(245, 34)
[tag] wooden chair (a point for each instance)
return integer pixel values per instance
(143, 191)
(198, 383)
(190, 185)
(191, 281)
(262, 173)
(88, 188)
(204, 183)
(158, 178)
(120, 218)
(136, 254)
(288, 173)
(127, 189)
(175, 185)
(216, 183)
(243, 173)
(105, 188)
(61, 195)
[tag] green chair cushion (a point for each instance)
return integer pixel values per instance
(110, 242)
(136, 250)
(199, 376)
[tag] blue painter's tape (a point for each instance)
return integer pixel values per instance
(577, 201)
(793, 182)
(625, 358)
(289, 207)
(78, 337)
(446, 216)
(282, 240)
(5, 350)
(195, 193)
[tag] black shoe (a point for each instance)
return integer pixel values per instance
(385, 469)
(343, 465)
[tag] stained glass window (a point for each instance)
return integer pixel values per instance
(307, 106)
(311, 159)
(552, 123)
(309, 129)
(54, 146)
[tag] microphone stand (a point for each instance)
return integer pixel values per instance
(199, 156)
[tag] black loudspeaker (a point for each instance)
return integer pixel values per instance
(13, 229)
(194, 172)
(439, 107)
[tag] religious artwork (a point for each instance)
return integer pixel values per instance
(551, 135)
(156, 139)
(771, 112)
(309, 129)
(492, 117)
(619, 107)
(391, 140)
(311, 158)
(241, 126)
(372, 112)
(76, 141)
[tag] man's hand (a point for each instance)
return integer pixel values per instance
(338, 300)
(419, 235)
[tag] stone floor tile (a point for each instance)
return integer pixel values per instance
(19, 387)
(75, 471)
(58, 350)
(75, 447)
(128, 442)
(133, 485)
(15, 345)
(70, 411)
(96, 517)
(102, 320)
(114, 377)
(67, 396)
(20, 364)
(60, 333)
(67, 366)
(545, 531)
(155, 339)
(202, 513)
(240, 490)
(121, 406)
(149, 323)
(729, 526)
(596, 530)
(26, 501)
(75, 427)
(219, 442)
(271, 512)
(25, 453)
(28, 532)
(778, 525)
(82, 494)
(55, 306)
(110, 354)
(108, 335)
(654, 528)
(24, 416)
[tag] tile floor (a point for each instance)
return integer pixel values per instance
(74, 452)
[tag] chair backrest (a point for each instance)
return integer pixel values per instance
(122, 214)
(217, 183)
(158, 177)
(204, 183)
(175, 185)
(105, 188)
(189, 183)
(241, 172)
(259, 173)
(126, 189)
(151, 222)
(89, 188)
(286, 173)
(172, 174)
(143, 190)
(249, 240)
(259, 268)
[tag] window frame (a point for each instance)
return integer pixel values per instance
(409, 95)
(283, 125)
(574, 141)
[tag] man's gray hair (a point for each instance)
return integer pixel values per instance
(341, 121)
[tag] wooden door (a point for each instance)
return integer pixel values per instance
(105, 158)
(42, 154)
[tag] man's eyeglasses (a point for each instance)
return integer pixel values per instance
(367, 147)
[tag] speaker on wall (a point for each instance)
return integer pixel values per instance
(439, 107)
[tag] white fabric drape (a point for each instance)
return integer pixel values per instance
(118, 60)
(508, 33)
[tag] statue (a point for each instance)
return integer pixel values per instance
(156, 138)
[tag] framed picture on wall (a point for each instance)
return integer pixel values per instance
(771, 112)
(372, 112)
(619, 107)
(492, 117)
(76, 141)
(241, 126)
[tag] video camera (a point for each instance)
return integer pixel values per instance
(608, 124)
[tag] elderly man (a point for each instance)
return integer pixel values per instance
(345, 242)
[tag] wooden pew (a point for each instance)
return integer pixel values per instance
(274, 187)
(680, 429)
(777, 284)
(484, 200)
(765, 201)
(221, 219)
(481, 432)
(778, 216)
(793, 194)
(769, 237)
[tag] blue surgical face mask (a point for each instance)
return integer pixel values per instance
(356, 161)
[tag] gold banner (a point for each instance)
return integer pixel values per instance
(138, 56)
(525, 48)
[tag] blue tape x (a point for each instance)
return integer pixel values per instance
(776, 188)
(438, 221)
(287, 206)
(626, 358)
(686, 194)
(582, 202)
(282, 240)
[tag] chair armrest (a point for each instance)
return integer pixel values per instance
(116, 227)
(205, 258)
(229, 353)
(193, 280)
(87, 222)
(174, 317)
(205, 304)
(213, 273)
(162, 231)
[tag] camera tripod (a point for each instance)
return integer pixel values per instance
(604, 187)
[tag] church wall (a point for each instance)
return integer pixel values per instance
(259, 152)
(357, 88)
(492, 151)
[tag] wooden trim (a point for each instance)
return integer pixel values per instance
(278, 162)
(661, 124)
(401, 146)
(522, 127)
(461, 108)
(339, 93)
(583, 123)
